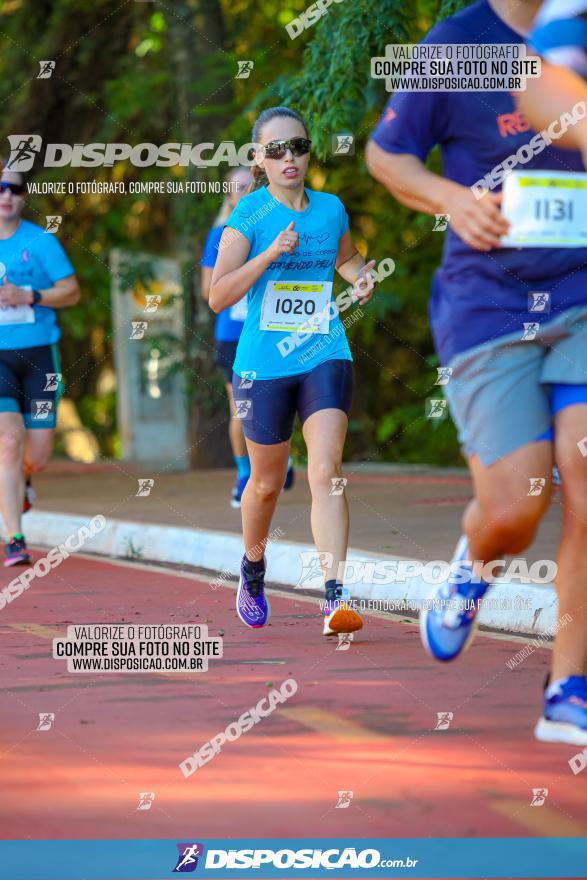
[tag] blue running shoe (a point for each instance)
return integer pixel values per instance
(448, 620)
(565, 712)
(15, 552)
(252, 606)
(237, 492)
(339, 614)
(290, 478)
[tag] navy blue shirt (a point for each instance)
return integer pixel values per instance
(479, 296)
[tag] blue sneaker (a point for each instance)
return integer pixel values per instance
(448, 620)
(339, 614)
(565, 712)
(237, 492)
(252, 606)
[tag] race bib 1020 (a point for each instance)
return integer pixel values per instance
(288, 306)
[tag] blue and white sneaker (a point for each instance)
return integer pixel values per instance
(339, 615)
(448, 620)
(252, 605)
(565, 712)
(237, 492)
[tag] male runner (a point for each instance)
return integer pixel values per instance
(517, 393)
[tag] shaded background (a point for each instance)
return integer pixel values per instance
(161, 72)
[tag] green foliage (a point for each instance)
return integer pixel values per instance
(149, 72)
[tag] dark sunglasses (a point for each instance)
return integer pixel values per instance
(277, 149)
(16, 189)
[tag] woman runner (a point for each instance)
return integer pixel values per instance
(36, 278)
(282, 244)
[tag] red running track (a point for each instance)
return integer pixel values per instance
(362, 720)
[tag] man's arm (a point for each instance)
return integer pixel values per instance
(479, 222)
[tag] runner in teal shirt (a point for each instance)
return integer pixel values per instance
(36, 278)
(319, 228)
(281, 246)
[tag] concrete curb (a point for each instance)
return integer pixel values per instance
(514, 607)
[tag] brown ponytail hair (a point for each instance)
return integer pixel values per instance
(259, 176)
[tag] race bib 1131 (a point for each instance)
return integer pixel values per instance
(545, 209)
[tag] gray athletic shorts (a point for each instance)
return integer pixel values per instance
(500, 393)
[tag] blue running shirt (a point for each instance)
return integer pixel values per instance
(229, 323)
(479, 296)
(260, 218)
(35, 259)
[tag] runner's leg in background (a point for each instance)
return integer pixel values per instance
(235, 433)
(570, 647)
(12, 446)
(38, 450)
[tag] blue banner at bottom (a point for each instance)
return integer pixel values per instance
(416, 858)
